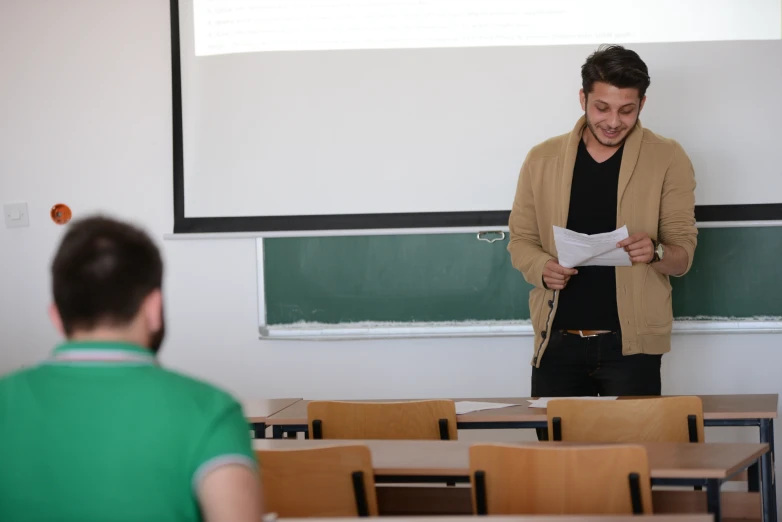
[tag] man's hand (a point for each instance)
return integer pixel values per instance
(639, 246)
(556, 276)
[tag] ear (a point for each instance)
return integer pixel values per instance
(583, 98)
(152, 311)
(54, 317)
(641, 106)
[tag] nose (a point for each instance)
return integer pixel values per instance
(613, 120)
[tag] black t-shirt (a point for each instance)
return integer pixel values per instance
(588, 302)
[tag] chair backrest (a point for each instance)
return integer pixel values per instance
(659, 419)
(410, 420)
(323, 482)
(577, 480)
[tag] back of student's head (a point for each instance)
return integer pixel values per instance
(103, 274)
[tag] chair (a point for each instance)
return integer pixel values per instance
(558, 480)
(324, 482)
(410, 420)
(659, 419)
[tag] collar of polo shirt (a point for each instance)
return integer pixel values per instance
(102, 352)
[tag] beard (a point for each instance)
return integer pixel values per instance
(156, 338)
(597, 135)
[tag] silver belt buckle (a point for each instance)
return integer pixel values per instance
(581, 333)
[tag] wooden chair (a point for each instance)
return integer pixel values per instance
(411, 420)
(596, 480)
(659, 419)
(324, 482)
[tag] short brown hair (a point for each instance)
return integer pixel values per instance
(617, 66)
(102, 272)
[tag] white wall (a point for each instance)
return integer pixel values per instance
(85, 119)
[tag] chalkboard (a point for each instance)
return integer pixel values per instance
(456, 277)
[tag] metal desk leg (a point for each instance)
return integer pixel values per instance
(277, 431)
(753, 477)
(259, 430)
(713, 498)
(769, 485)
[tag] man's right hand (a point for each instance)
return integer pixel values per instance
(556, 276)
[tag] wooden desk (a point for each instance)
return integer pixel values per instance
(681, 464)
(530, 518)
(441, 461)
(257, 411)
(718, 410)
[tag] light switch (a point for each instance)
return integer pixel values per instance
(16, 215)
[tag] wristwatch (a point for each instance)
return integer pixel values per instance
(659, 251)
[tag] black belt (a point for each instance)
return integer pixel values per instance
(588, 333)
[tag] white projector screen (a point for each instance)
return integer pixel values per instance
(375, 108)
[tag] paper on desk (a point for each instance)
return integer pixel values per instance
(471, 406)
(543, 401)
(575, 249)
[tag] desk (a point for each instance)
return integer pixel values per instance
(257, 411)
(531, 518)
(718, 410)
(682, 464)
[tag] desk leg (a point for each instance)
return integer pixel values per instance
(753, 477)
(259, 430)
(769, 494)
(277, 431)
(713, 498)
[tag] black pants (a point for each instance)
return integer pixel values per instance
(574, 366)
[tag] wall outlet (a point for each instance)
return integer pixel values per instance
(16, 215)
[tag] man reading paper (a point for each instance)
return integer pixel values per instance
(602, 330)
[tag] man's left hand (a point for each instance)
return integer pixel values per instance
(639, 246)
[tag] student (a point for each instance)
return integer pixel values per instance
(100, 431)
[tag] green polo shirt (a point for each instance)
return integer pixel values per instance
(100, 432)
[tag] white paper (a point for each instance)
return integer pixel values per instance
(470, 406)
(543, 401)
(575, 249)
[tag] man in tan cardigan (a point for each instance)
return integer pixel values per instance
(603, 330)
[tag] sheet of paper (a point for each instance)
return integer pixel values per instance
(575, 249)
(470, 406)
(543, 401)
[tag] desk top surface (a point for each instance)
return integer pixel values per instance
(715, 407)
(451, 458)
(530, 518)
(258, 410)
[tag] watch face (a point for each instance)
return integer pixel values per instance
(660, 251)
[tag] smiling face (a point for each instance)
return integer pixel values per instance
(611, 112)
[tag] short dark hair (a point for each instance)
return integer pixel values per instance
(102, 272)
(617, 66)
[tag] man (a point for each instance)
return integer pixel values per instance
(100, 431)
(603, 330)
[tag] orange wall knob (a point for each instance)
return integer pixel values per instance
(61, 214)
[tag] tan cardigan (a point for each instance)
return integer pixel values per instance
(656, 195)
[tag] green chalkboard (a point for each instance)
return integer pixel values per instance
(456, 277)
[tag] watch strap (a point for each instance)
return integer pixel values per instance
(655, 252)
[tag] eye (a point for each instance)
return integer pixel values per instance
(602, 109)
